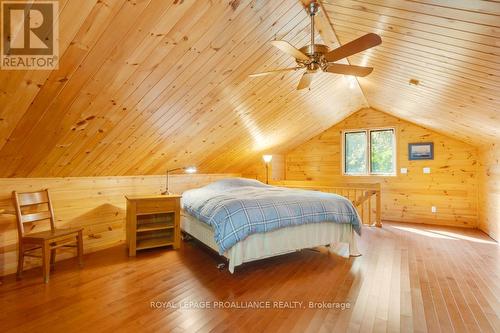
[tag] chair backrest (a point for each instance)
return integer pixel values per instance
(32, 207)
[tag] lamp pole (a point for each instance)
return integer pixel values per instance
(267, 172)
(167, 192)
(190, 169)
(267, 159)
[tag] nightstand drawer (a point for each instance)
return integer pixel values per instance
(155, 206)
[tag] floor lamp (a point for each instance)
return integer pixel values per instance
(267, 159)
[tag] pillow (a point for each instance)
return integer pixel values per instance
(234, 182)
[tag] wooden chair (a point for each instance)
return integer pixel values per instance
(37, 206)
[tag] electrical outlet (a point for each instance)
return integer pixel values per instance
(427, 170)
(434, 209)
(404, 170)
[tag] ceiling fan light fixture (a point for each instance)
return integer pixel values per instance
(315, 57)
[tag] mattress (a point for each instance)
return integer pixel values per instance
(340, 237)
(237, 208)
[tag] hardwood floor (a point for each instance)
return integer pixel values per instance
(410, 278)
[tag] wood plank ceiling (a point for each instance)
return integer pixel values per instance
(451, 47)
(143, 85)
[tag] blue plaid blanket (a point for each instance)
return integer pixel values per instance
(238, 207)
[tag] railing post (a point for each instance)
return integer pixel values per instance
(368, 191)
(370, 210)
(362, 211)
(379, 210)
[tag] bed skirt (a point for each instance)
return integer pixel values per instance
(340, 237)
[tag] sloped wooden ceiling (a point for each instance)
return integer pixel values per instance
(146, 85)
(451, 47)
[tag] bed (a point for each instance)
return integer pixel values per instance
(245, 220)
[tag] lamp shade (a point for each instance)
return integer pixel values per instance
(267, 158)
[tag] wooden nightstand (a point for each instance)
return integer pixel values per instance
(153, 221)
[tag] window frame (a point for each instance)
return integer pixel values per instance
(368, 152)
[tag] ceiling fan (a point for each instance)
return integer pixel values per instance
(315, 57)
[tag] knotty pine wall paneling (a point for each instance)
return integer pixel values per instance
(452, 185)
(489, 190)
(257, 170)
(95, 203)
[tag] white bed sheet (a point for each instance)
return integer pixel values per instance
(341, 237)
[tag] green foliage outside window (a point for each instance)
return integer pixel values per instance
(381, 154)
(355, 152)
(382, 151)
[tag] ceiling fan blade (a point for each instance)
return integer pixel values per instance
(289, 49)
(360, 44)
(349, 69)
(274, 71)
(305, 81)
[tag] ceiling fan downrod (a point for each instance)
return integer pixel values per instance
(313, 9)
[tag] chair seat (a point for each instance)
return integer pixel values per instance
(51, 234)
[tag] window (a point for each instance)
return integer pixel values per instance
(369, 152)
(355, 153)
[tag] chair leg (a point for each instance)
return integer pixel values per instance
(79, 240)
(20, 262)
(52, 259)
(46, 261)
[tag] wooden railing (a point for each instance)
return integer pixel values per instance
(365, 197)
